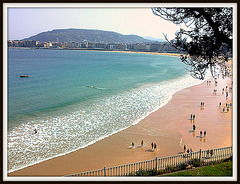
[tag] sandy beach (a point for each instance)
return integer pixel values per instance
(169, 127)
(152, 53)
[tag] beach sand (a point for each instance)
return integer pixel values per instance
(169, 127)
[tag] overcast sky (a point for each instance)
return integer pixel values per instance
(26, 22)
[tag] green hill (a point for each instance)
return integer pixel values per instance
(91, 35)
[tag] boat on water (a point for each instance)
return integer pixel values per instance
(24, 76)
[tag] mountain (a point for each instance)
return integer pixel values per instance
(91, 35)
(154, 39)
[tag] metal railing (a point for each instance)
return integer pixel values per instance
(166, 163)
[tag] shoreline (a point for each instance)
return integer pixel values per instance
(115, 149)
(117, 51)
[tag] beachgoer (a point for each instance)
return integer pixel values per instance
(201, 133)
(191, 150)
(194, 127)
(152, 145)
(132, 145)
(227, 109)
(35, 130)
(220, 103)
(184, 147)
(188, 151)
(223, 109)
(207, 153)
(230, 104)
(142, 143)
(205, 132)
(211, 152)
(191, 116)
(155, 146)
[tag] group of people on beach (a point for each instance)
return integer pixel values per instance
(208, 83)
(211, 153)
(205, 133)
(188, 150)
(227, 90)
(133, 146)
(202, 105)
(193, 116)
(154, 145)
(227, 107)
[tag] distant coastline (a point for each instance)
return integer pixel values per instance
(105, 50)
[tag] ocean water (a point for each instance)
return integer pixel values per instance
(75, 98)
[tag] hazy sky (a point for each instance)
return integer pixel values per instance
(26, 22)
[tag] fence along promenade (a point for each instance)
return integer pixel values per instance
(164, 163)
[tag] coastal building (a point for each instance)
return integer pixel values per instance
(144, 47)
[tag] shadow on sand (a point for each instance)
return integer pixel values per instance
(150, 150)
(181, 152)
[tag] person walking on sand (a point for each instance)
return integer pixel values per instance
(191, 116)
(220, 103)
(155, 146)
(142, 143)
(201, 133)
(35, 130)
(132, 144)
(223, 109)
(184, 148)
(205, 132)
(194, 127)
(152, 145)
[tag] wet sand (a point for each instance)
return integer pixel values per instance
(169, 127)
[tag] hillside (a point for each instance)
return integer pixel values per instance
(91, 35)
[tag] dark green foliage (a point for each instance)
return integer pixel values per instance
(213, 169)
(90, 35)
(195, 162)
(183, 166)
(222, 169)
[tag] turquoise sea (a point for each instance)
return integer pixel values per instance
(75, 98)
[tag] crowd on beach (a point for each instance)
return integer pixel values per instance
(202, 133)
(225, 109)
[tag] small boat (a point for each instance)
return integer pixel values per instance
(24, 76)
